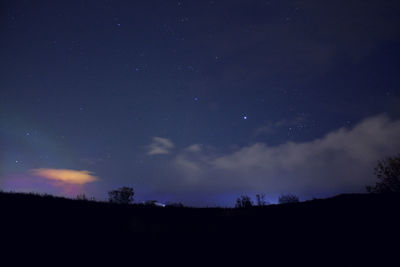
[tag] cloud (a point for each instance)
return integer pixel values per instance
(273, 127)
(194, 148)
(282, 44)
(160, 146)
(264, 130)
(65, 175)
(341, 161)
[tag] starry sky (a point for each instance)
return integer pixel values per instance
(197, 101)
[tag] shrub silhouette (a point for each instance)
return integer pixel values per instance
(123, 195)
(388, 174)
(81, 197)
(243, 202)
(289, 198)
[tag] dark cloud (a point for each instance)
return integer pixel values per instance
(301, 40)
(273, 127)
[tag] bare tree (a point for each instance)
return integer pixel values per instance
(388, 174)
(261, 200)
(123, 195)
(289, 198)
(244, 201)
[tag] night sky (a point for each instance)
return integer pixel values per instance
(197, 101)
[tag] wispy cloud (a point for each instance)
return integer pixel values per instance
(160, 146)
(273, 127)
(65, 175)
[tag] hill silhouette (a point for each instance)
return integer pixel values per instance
(358, 222)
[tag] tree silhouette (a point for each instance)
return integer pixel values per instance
(289, 198)
(243, 202)
(388, 174)
(261, 200)
(123, 195)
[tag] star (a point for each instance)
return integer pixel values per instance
(245, 117)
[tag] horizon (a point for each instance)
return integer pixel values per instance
(178, 204)
(197, 103)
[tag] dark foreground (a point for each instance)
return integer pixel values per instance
(361, 227)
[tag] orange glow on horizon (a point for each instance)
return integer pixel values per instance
(66, 175)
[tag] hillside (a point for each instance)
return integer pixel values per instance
(343, 211)
(355, 220)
